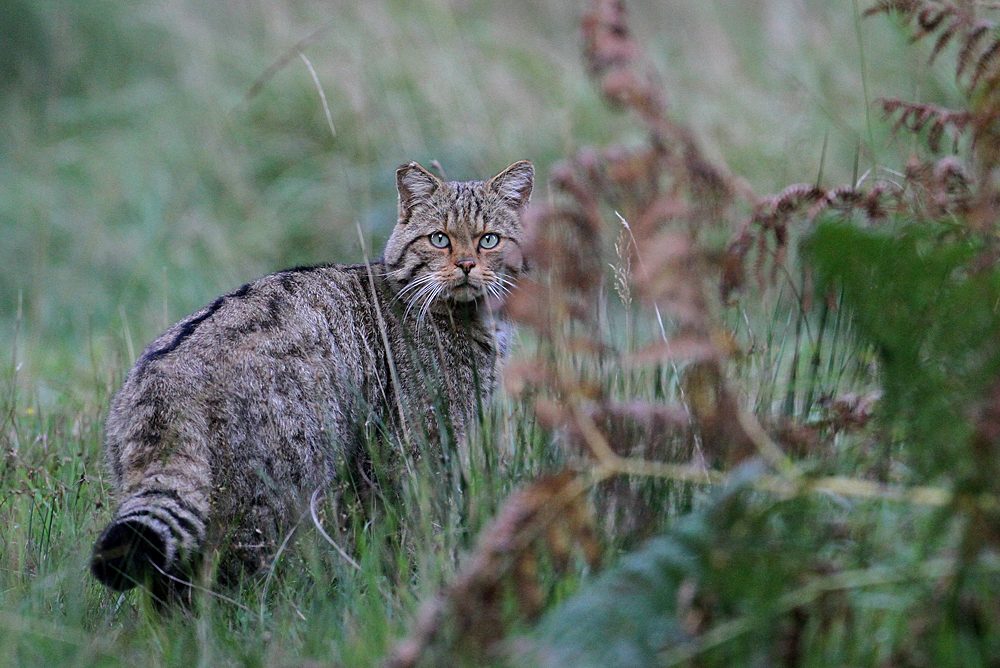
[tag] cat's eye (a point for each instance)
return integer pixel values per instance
(439, 240)
(489, 240)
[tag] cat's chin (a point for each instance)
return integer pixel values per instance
(465, 293)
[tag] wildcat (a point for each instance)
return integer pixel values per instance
(233, 417)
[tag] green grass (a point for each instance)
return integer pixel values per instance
(138, 181)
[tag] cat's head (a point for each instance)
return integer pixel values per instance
(457, 241)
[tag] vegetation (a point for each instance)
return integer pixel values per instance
(739, 428)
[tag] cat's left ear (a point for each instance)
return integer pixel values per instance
(514, 183)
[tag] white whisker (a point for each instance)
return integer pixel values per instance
(500, 287)
(429, 288)
(438, 289)
(413, 285)
(506, 281)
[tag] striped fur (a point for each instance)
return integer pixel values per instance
(233, 417)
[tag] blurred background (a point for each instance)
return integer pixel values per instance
(157, 153)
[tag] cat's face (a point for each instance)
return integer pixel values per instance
(457, 241)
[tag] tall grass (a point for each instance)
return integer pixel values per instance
(152, 157)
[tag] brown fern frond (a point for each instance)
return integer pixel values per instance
(566, 244)
(772, 218)
(773, 212)
(840, 196)
(670, 277)
(973, 37)
(795, 196)
(977, 71)
(847, 198)
(985, 64)
(952, 174)
(915, 117)
(612, 58)
(904, 7)
(952, 22)
(939, 189)
(953, 185)
(945, 38)
(874, 204)
(934, 136)
(654, 186)
(734, 263)
(931, 17)
(769, 219)
(632, 175)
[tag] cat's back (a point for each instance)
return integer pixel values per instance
(297, 313)
(278, 345)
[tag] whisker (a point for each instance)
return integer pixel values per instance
(418, 281)
(430, 288)
(438, 289)
(409, 288)
(500, 287)
(502, 291)
(505, 280)
(425, 306)
(413, 302)
(413, 285)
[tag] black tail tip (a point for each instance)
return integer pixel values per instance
(127, 554)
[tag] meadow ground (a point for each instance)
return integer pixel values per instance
(156, 154)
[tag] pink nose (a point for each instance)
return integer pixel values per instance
(466, 265)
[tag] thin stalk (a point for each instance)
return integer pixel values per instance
(788, 408)
(864, 77)
(814, 362)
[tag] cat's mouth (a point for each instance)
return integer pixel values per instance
(465, 290)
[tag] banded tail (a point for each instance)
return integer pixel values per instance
(154, 532)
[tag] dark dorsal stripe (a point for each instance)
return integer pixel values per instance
(190, 325)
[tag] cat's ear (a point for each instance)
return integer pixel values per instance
(414, 184)
(514, 183)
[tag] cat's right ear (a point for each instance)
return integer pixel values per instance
(513, 184)
(414, 184)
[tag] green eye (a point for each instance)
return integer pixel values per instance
(439, 240)
(489, 240)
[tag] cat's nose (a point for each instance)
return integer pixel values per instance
(466, 264)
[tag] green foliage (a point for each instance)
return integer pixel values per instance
(931, 314)
(746, 580)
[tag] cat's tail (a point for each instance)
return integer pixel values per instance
(157, 533)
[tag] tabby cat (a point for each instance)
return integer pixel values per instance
(230, 420)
